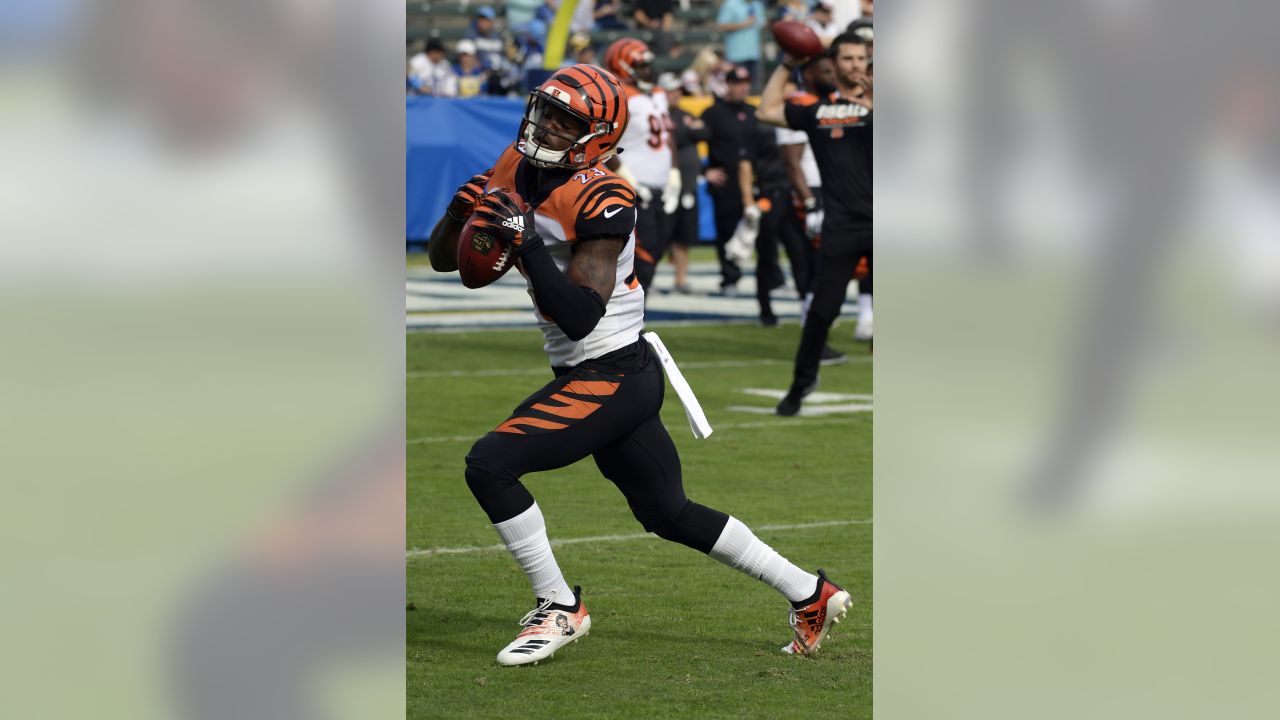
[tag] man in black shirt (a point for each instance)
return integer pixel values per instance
(839, 129)
(766, 184)
(730, 126)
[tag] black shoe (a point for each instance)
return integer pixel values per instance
(790, 404)
(729, 291)
(831, 356)
(769, 320)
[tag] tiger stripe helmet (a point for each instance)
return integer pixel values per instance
(632, 61)
(591, 94)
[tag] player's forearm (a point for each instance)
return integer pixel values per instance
(774, 98)
(746, 182)
(576, 309)
(442, 246)
(791, 155)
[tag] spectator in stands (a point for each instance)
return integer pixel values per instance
(488, 41)
(797, 10)
(823, 22)
(731, 124)
(546, 12)
(472, 76)
(656, 15)
(609, 15)
(431, 73)
(528, 51)
(705, 76)
(519, 12)
(584, 17)
(687, 133)
(742, 20)
(581, 51)
(868, 8)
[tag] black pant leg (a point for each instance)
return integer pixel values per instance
(650, 239)
(768, 272)
(830, 287)
(645, 466)
(568, 419)
(727, 211)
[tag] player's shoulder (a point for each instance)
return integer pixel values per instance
(504, 168)
(594, 202)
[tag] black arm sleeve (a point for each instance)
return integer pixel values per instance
(575, 308)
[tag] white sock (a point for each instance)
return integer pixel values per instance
(864, 306)
(525, 535)
(740, 549)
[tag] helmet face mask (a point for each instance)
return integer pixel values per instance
(555, 133)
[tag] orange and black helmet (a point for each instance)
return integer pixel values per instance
(584, 107)
(632, 61)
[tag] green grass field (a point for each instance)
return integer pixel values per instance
(675, 634)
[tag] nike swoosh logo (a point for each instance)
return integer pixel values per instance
(616, 210)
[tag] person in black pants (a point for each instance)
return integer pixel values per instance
(730, 125)
(839, 129)
(767, 186)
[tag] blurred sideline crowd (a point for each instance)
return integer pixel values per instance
(457, 49)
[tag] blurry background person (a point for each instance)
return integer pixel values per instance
(646, 156)
(840, 130)
(546, 12)
(431, 72)
(705, 76)
(519, 12)
(581, 51)
(682, 215)
(731, 125)
(823, 22)
(766, 195)
(609, 15)
(819, 77)
(742, 21)
(584, 17)
(797, 10)
(472, 76)
(527, 52)
(656, 15)
(489, 43)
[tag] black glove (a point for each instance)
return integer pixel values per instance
(505, 217)
(464, 200)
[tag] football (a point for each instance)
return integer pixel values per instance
(797, 39)
(482, 257)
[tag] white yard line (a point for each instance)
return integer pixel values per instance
(427, 552)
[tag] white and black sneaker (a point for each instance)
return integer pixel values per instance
(546, 629)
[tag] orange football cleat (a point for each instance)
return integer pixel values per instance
(812, 622)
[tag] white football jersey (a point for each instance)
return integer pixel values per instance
(646, 145)
(808, 164)
(592, 203)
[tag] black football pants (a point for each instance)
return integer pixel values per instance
(837, 261)
(606, 408)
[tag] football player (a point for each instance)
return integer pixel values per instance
(575, 247)
(840, 128)
(647, 154)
